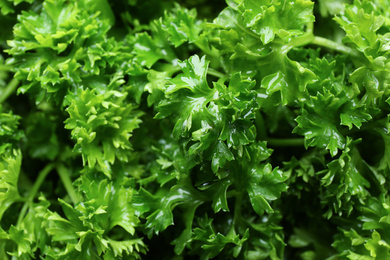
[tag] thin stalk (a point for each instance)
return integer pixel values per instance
(5, 67)
(173, 70)
(260, 126)
(232, 193)
(237, 209)
(249, 32)
(309, 27)
(41, 177)
(309, 38)
(9, 90)
(205, 50)
(216, 73)
(237, 215)
(285, 142)
(66, 181)
(320, 41)
(170, 69)
(301, 40)
(22, 214)
(34, 190)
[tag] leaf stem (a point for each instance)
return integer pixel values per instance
(41, 177)
(66, 181)
(237, 209)
(309, 38)
(206, 51)
(216, 73)
(5, 67)
(285, 142)
(9, 89)
(260, 126)
(34, 190)
(309, 27)
(249, 32)
(301, 40)
(320, 41)
(237, 215)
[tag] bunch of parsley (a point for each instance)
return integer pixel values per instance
(156, 129)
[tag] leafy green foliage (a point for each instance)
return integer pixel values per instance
(9, 132)
(270, 18)
(61, 45)
(194, 129)
(8, 6)
(182, 26)
(362, 25)
(106, 206)
(101, 125)
(10, 169)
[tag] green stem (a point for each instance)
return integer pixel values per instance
(309, 27)
(320, 41)
(22, 214)
(216, 73)
(205, 50)
(173, 70)
(168, 68)
(283, 142)
(237, 215)
(237, 209)
(309, 38)
(260, 126)
(66, 181)
(302, 40)
(9, 90)
(5, 67)
(34, 190)
(232, 193)
(41, 177)
(249, 32)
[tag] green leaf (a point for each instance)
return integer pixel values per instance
(218, 191)
(290, 81)
(9, 133)
(49, 51)
(162, 207)
(103, 7)
(128, 247)
(331, 7)
(220, 156)
(377, 247)
(148, 51)
(188, 94)
(361, 23)
(374, 84)
(10, 164)
(269, 18)
(172, 162)
(107, 205)
(186, 236)
(215, 242)
(233, 109)
(318, 123)
(345, 179)
(265, 185)
(112, 203)
(8, 6)
(101, 124)
(354, 115)
(181, 24)
(19, 237)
